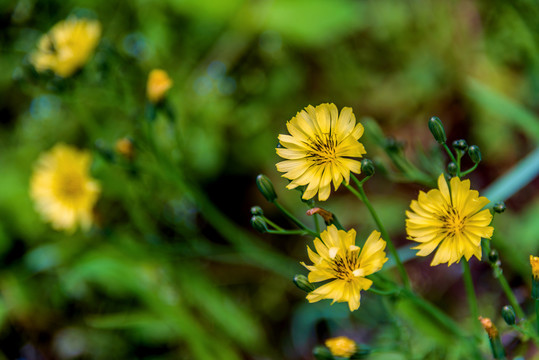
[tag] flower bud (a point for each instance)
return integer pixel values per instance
(437, 129)
(499, 207)
(266, 187)
(322, 353)
(303, 283)
(257, 210)
(367, 167)
(489, 327)
(394, 145)
(493, 256)
(259, 224)
(474, 153)
(460, 145)
(508, 314)
(452, 169)
(125, 147)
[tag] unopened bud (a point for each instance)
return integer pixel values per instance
(125, 147)
(259, 224)
(508, 314)
(460, 145)
(474, 153)
(452, 169)
(489, 327)
(437, 129)
(493, 256)
(367, 167)
(394, 145)
(303, 283)
(266, 187)
(499, 207)
(322, 353)
(257, 210)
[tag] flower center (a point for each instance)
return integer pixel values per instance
(70, 187)
(323, 148)
(453, 221)
(344, 268)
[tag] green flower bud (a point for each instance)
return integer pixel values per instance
(367, 167)
(452, 169)
(474, 153)
(259, 224)
(266, 187)
(460, 145)
(322, 353)
(257, 210)
(303, 283)
(437, 129)
(493, 256)
(508, 314)
(394, 145)
(499, 207)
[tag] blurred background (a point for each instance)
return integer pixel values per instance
(173, 270)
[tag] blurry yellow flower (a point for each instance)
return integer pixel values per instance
(61, 186)
(534, 262)
(125, 147)
(320, 149)
(67, 46)
(450, 219)
(158, 84)
(341, 346)
(340, 259)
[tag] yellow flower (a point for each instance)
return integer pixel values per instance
(67, 46)
(320, 149)
(451, 219)
(158, 84)
(338, 258)
(63, 191)
(341, 346)
(534, 262)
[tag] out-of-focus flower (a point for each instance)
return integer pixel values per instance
(452, 220)
(158, 84)
(62, 189)
(338, 258)
(320, 149)
(534, 262)
(341, 346)
(67, 46)
(125, 147)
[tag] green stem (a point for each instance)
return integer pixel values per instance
(274, 225)
(459, 156)
(294, 219)
(363, 197)
(289, 232)
(383, 292)
(510, 296)
(470, 293)
(316, 223)
(450, 153)
(469, 170)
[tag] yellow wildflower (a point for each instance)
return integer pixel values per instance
(158, 84)
(320, 149)
(341, 346)
(67, 46)
(451, 219)
(62, 188)
(534, 262)
(338, 258)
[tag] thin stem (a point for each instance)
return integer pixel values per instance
(450, 153)
(316, 223)
(510, 295)
(274, 225)
(459, 156)
(289, 232)
(470, 293)
(469, 170)
(363, 197)
(383, 292)
(294, 219)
